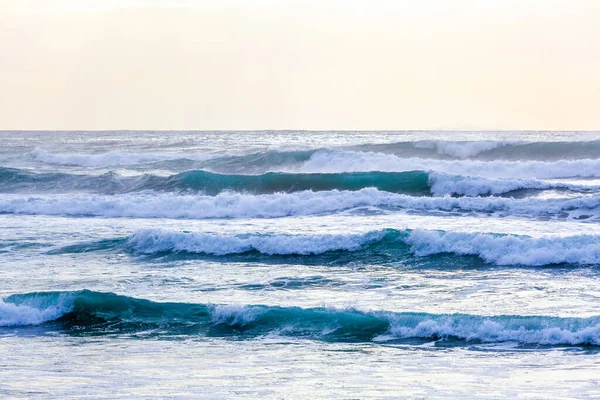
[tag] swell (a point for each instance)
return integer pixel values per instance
(240, 205)
(394, 245)
(95, 313)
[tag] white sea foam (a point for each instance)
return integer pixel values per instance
(35, 310)
(234, 314)
(111, 158)
(492, 248)
(158, 240)
(236, 205)
(92, 160)
(508, 249)
(335, 161)
(529, 330)
(444, 184)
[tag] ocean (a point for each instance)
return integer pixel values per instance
(299, 264)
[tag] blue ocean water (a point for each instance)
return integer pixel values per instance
(295, 264)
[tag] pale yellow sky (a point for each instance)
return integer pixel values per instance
(405, 64)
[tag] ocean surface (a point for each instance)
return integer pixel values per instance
(295, 264)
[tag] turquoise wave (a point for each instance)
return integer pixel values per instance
(17, 180)
(95, 313)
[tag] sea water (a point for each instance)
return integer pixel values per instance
(294, 264)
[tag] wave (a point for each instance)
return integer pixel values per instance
(236, 205)
(12, 180)
(444, 184)
(394, 245)
(21, 180)
(488, 150)
(492, 248)
(159, 241)
(94, 313)
(508, 150)
(508, 249)
(412, 182)
(336, 161)
(436, 149)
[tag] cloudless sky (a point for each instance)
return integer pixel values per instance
(329, 64)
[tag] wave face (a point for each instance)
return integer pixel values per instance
(383, 245)
(444, 184)
(12, 180)
(94, 313)
(236, 205)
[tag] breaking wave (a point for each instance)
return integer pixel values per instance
(238, 205)
(499, 249)
(94, 313)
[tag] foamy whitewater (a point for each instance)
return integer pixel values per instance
(284, 264)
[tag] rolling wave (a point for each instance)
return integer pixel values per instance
(499, 249)
(412, 182)
(93, 160)
(237, 205)
(95, 313)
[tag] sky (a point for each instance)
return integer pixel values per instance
(317, 65)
